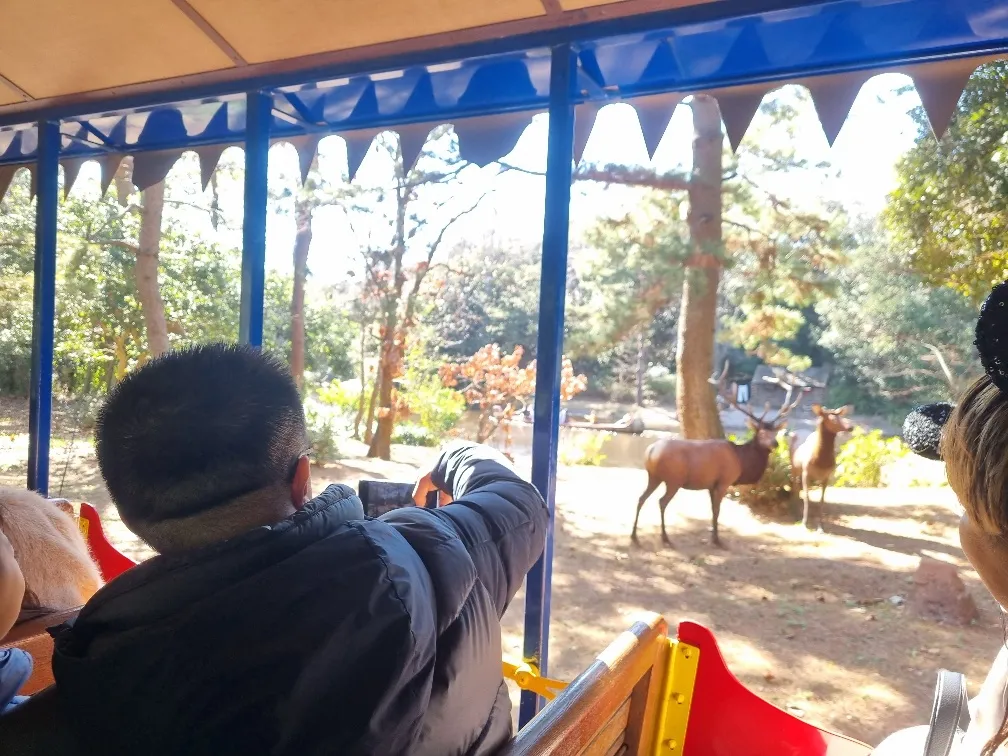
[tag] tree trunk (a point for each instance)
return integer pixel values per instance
(372, 405)
(146, 269)
(363, 387)
(214, 201)
(381, 441)
(641, 365)
(302, 241)
(698, 415)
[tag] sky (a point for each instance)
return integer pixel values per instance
(877, 131)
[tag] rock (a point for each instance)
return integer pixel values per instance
(897, 600)
(939, 594)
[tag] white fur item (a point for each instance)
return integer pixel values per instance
(50, 549)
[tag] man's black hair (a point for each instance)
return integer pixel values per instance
(197, 428)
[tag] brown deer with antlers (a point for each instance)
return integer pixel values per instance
(814, 461)
(713, 465)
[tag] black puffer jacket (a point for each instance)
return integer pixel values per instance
(325, 634)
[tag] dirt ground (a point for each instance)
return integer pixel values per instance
(803, 619)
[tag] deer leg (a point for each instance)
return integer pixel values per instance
(652, 485)
(664, 502)
(716, 495)
(822, 504)
(805, 496)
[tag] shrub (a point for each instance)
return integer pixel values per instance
(584, 448)
(661, 383)
(410, 434)
(322, 435)
(437, 408)
(861, 460)
(771, 496)
(343, 397)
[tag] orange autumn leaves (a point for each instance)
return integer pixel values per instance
(496, 382)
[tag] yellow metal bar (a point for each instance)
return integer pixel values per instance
(527, 678)
(677, 697)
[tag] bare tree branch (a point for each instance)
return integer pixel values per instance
(120, 243)
(639, 177)
(952, 382)
(619, 175)
(432, 249)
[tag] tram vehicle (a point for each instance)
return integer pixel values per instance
(98, 80)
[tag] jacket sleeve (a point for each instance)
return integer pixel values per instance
(500, 518)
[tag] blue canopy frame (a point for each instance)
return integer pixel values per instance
(730, 47)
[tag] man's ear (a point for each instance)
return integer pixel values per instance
(301, 491)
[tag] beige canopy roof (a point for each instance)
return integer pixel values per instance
(152, 78)
(58, 50)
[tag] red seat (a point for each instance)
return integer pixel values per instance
(727, 719)
(111, 562)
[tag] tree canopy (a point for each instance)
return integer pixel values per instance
(950, 210)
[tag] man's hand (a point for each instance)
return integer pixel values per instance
(424, 486)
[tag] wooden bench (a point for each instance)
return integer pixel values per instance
(651, 695)
(612, 707)
(33, 636)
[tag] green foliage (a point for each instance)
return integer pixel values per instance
(781, 250)
(584, 447)
(338, 396)
(411, 434)
(99, 321)
(880, 327)
(771, 496)
(950, 208)
(777, 253)
(660, 383)
(436, 408)
(635, 272)
(492, 298)
(323, 430)
(17, 245)
(329, 333)
(862, 458)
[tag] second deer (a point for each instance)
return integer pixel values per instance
(713, 466)
(814, 461)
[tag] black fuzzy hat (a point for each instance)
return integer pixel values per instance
(923, 426)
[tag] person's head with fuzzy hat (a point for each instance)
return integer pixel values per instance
(971, 438)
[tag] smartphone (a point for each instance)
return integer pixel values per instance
(381, 496)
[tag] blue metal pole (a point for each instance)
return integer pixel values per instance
(44, 306)
(253, 282)
(549, 350)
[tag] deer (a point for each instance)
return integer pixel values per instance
(813, 462)
(712, 465)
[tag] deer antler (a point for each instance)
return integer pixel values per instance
(731, 400)
(789, 405)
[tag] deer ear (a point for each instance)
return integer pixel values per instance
(817, 409)
(751, 424)
(843, 410)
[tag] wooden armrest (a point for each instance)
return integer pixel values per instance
(33, 637)
(611, 707)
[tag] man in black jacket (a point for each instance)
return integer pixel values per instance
(276, 623)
